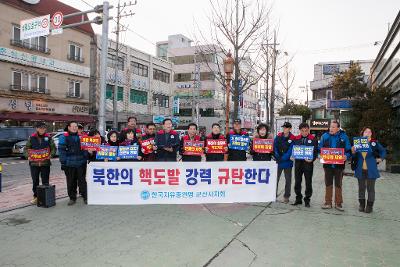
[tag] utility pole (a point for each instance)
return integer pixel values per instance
(272, 106)
(305, 88)
(120, 8)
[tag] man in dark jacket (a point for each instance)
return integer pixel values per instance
(283, 145)
(131, 125)
(216, 136)
(304, 166)
(73, 162)
(40, 141)
(167, 142)
(147, 143)
(191, 136)
(233, 153)
(335, 138)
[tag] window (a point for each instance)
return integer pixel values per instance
(329, 94)
(208, 112)
(140, 69)
(161, 100)
(111, 62)
(35, 43)
(138, 97)
(74, 89)
(185, 112)
(29, 82)
(110, 92)
(75, 53)
(161, 76)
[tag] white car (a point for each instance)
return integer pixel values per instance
(18, 149)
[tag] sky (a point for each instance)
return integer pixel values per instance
(310, 31)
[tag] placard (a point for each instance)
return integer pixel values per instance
(263, 145)
(38, 154)
(90, 142)
(147, 146)
(215, 146)
(332, 155)
(107, 152)
(128, 152)
(239, 142)
(361, 144)
(193, 148)
(303, 152)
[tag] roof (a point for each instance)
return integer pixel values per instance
(45, 7)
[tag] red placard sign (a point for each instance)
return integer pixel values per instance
(193, 148)
(215, 146)
(263, 145)
(147, 146)
(90, 142)
(332, 155)
(38, 154)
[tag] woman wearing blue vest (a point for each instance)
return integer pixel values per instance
(366, 170)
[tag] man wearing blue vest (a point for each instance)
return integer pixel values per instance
(36, 142)
(335, 138)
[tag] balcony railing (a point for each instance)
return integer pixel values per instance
(24, 44)
(20, 88)
(76, 58)
(73, 95)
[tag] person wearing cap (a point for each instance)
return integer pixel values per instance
(335, 138)
(304, 166)
(234, 154)
(283, 145)
(38, 141)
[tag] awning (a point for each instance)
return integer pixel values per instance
(46, 117)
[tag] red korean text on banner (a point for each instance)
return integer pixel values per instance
(90, 142)
(332, 155)
(216, 146)
(147, 146)
(38, 154)
(193, 148)
(263, 145)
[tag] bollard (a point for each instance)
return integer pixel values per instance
(1, 170)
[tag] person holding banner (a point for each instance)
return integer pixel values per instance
(147, 143)
(73, 161)
(112, 138)
(131, 140)
(215, 144)
(304, 164)
(238, 142)
(39, 149)
(131, 125)
(262, 133)
(335, 138)
(367, 157)
(93, 152)
(166, 142)
(283, 145)
(189, 142)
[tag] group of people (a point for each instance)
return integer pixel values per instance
(166, 144)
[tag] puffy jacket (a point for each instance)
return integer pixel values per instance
(36, 141)
(376, 150)
(181, 148)
(70, 153)
(236, 155)
(338, 140)
(212, 156)
(309, 140)
(283, 146)
(261, 156)
(166, 140)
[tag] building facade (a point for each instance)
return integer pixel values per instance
(144, 85)
(324, 106)
(43, 78)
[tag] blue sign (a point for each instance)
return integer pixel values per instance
(338, 104)
(107, 152)
(158, 119)
(128, 152)
(361, 144)
(303, 152)
(239, 142)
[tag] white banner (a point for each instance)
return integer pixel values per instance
(126, 183)
(35, 27)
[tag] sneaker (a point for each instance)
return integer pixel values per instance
(339, 207)
(326, 206)
(71, 202)
(34, 201)
(307, 204)
(297, 202)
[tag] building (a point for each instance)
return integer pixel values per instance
(144, 85)
(202, 96)
(43, 78)
(324, 106)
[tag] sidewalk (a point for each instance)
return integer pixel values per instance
(256, 234)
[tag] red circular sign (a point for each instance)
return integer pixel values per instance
(57, 19)
(45, 23)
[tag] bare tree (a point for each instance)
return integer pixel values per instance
(287, 79)
(239, 26)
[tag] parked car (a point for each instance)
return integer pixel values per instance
(11, 135)
(19, 148)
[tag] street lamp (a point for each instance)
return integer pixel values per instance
(228, 69)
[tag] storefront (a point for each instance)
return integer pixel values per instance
(319, 126)
(25, 112)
